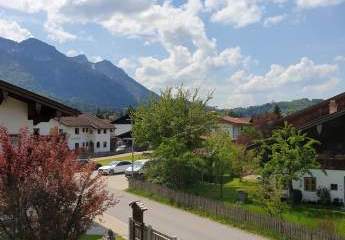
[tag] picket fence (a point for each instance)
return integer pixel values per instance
(236, 214)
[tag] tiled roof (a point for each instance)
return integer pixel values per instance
(235, 120)
(86, 120)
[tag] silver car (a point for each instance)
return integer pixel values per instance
(138, 167)
(114, 167)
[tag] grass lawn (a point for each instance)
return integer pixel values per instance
(108, 160)
(308, 214)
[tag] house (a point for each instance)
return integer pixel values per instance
(324, 122)
(123, 131)
(85, 131)
(20, 108)
(233, 125)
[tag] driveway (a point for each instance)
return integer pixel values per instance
(169, 220)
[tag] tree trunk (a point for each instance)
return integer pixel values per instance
(221, 186)
(290, 189)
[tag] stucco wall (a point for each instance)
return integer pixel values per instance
(323, 179)
(233, 130)
(14, 115)
(82, 137)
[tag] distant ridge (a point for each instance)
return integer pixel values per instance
(286, 107)
(39, 67)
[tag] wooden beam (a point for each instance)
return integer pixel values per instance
(3, 95)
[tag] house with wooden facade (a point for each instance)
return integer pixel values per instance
(324, 122)
(20, 108)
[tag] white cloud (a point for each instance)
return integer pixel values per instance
(271, 21)
(29, 6)
(306, 71)
(340, 59)
(95, 59)
(317, 3)
(238, 13)
(302, 79)
(12, 30)
(72, 53)
(126, 64)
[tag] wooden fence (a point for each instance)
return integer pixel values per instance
(238, 215)
(144, 232)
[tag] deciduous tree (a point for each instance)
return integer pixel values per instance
(287, 155)
(45, 194)
(221, 153)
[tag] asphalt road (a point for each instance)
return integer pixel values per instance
(169, 220)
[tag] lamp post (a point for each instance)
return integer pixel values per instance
(132, 147)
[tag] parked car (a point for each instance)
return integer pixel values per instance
(121, 149)
(114, 167)
(139, 167)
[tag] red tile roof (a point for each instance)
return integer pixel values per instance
(86, 120)
(235, 120)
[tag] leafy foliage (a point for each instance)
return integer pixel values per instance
(221, 155)
(182, 116)
(176, 166)
(174, 126)
(287, 155)
(44, 192)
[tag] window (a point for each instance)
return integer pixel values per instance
(83, 144)
(36, 131)
(104, 131)
(87, 144)
(310, 184)
(86, 130)
(76, 145)
(98, 144)
(111, 130)
(334, 187)
(99, 131)
(83, 130)
(76, 131)
(104, 144)
(61, 131)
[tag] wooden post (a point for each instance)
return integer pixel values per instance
(149, 233)
(131, 229)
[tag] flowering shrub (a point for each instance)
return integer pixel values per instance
(44, 192)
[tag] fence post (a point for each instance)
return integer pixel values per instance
(148, 232)
(131, 229)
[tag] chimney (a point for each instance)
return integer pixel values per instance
(333, 106)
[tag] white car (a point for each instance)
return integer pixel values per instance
(121, 149)
(114, 167)
(138, 167)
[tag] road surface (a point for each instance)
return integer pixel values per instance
(169, 220)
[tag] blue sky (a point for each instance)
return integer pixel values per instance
(247, 51)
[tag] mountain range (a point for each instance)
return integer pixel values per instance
(40, 67)
(286, 107)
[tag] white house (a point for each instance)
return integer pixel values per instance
(20, 108)
(233, 125)
(86, 132)
(324, 122)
